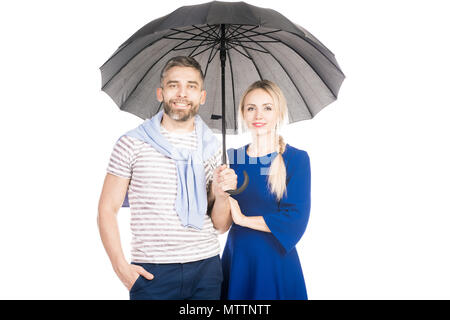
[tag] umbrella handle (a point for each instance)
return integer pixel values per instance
(241, 188)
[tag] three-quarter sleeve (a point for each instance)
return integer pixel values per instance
(289, 223)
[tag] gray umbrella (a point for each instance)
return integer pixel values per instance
(236, 44)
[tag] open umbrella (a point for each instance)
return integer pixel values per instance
(236, 44)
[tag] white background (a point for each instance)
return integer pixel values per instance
(379, 226)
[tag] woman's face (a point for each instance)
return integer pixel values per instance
(260, 113)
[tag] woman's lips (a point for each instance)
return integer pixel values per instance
(258, 124)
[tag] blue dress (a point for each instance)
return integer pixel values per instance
(261, 265)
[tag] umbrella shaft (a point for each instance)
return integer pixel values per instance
(223, 58)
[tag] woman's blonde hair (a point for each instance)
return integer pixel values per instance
(277, 171)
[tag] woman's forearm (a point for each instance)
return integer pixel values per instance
(256, 223)
(252, 222)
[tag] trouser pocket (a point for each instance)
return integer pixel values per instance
(142, 282)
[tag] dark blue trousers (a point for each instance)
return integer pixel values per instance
(198, 280)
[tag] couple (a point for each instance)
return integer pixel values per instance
(169, 170)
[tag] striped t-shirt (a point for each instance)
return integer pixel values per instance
(157, 233)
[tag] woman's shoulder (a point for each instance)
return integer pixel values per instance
(296, 160)
(294, 153)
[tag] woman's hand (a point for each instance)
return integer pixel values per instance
(253, 222)
(236, 214)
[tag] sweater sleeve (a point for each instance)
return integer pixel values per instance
(289, 223)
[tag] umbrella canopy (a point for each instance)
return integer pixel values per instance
(236, 44)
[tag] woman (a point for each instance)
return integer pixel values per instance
(260, 260)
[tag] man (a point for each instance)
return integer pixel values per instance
(166, 165)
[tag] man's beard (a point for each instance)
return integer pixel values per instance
(181, 114)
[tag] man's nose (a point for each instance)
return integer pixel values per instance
(181, 91)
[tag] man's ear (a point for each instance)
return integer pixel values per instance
(203, 97)
(159, 94)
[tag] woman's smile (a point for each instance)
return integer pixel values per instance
(258, 124)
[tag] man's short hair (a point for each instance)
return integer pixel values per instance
(181, 61)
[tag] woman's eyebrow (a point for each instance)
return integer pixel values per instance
(264, 104)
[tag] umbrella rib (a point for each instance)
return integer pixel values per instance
(176, 47)
(245, 55)
(179, 31)
(235, 30)
(236, 43)
(208, 40)
(244, 31)
(131, 58)
(140, 81)
(214, 28)
(213, 36)
(123, 66)
(259, 41)
(255, 34)
(290, 78)
(196, 46)
(313, 44)
(303, 58)
(195, 34)
(191, 39)
(212, 46)
(232, 87)
(212, 58)
(254, 64)
(159, 108)
(209, 60)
